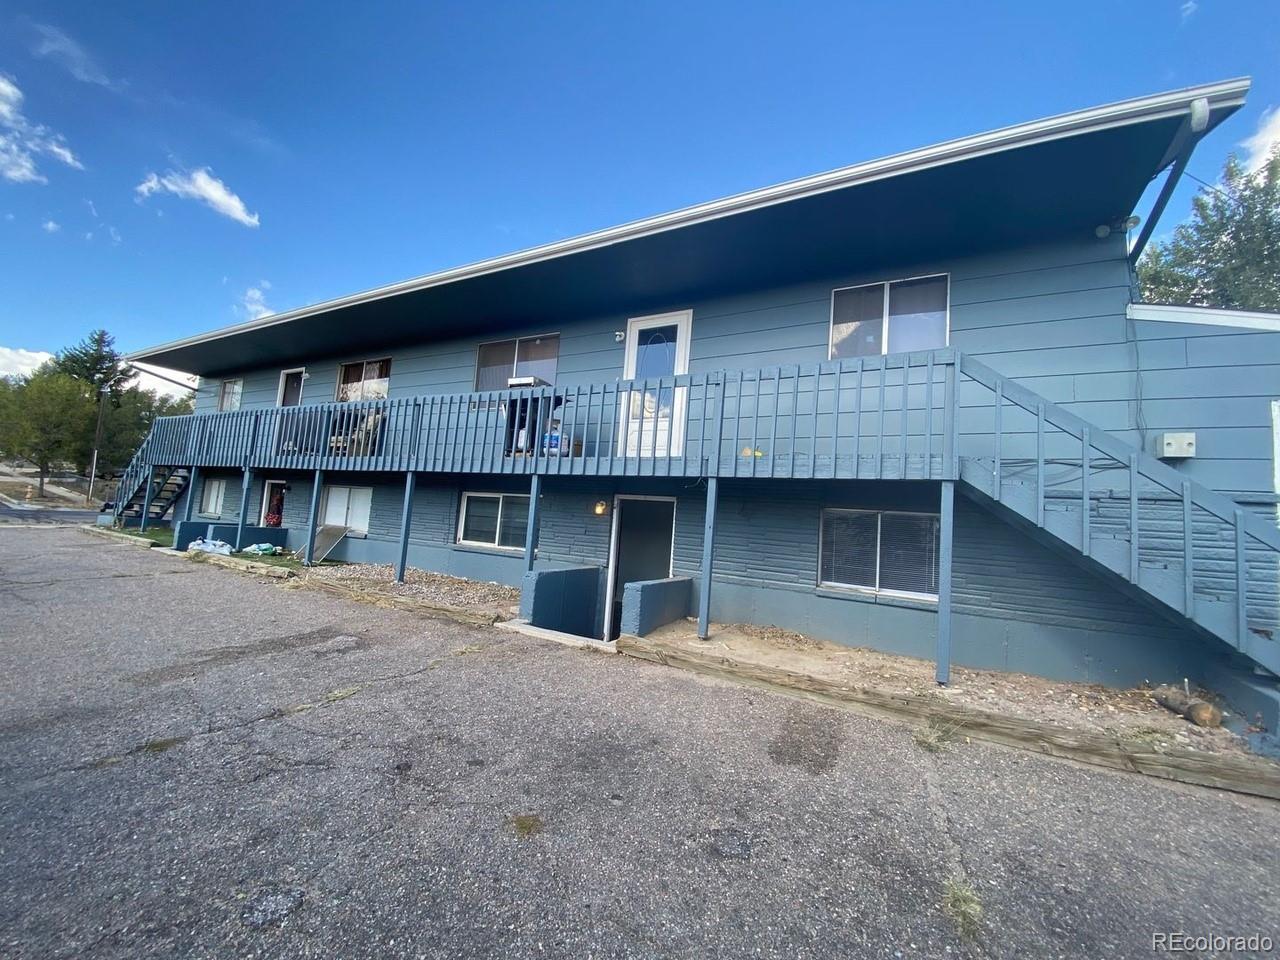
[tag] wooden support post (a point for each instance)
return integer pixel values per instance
(244, 507)
(947, 523)
(146, 498)
(708, 552)
(314, 518)
(406, 520)
(191, 493)
(531, 530)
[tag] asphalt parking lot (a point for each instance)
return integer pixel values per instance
(196, 764)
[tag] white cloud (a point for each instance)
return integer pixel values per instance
(115, 236)
(50, 226)
(9, 217)
(1259, 145)
(16, 362)
(253, 304)
(50, 43)
(92, 209)
(88, 234)
(199, 185)
(1188, 9)
(148, 381)
(22, 142)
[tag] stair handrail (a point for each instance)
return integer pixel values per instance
(131, 478)
(1221, 506)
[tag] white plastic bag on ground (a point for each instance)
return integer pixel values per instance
(210, 546)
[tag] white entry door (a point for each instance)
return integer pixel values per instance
(652, 420)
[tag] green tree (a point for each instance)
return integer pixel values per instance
(1228, 253)
(126, 424)
(95, 360)
(44, 417)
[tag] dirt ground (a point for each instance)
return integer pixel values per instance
(1129, 713)
(419, 585)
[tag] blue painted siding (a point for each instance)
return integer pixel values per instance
(1220, 382)
(1041, 315)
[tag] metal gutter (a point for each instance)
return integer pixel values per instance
(1225, 94)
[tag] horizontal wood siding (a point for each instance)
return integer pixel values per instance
(1219, 382)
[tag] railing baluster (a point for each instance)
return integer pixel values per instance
(1040, 464)
(902, 416)
(1084, 491)
(1134, 541)
(835, 420)
(755, 424)
(795, 417)
(884, 373)
(857, 418)
(928, 417)
(1242, 583)
(813, 430)
(999, 439)
(1188, 541)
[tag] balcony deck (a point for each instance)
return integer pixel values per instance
(864, 418)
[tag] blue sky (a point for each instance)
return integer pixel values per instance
(187, 166)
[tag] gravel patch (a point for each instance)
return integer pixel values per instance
(1129, 713)
(419, 584)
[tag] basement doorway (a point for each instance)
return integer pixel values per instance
(641, 547)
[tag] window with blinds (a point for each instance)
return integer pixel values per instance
(885, 551)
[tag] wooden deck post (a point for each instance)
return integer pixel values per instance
(406, 520)
(531, 530)
(314, 518)
(708, 551)
(192, 478)
(244, 506)
(146, 497)
(947, 524)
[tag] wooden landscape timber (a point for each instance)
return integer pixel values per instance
(1251, 775)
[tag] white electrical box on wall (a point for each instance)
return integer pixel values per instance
(1174, 446)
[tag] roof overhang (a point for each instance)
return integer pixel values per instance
(1206, 316)
(1051, 179)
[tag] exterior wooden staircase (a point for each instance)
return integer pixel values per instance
(1193, 551)
(167, 485)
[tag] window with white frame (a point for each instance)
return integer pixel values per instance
(884, 551)
(364, 380)
(211, 494)
(229, 394)
(893, 317)
(493, 520)
(348, 507)
(503, 360)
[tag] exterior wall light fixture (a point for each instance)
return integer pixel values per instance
(600, 508)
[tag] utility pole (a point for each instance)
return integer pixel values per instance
(97, 434)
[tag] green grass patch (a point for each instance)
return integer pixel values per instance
(526, 824)
(935, 735)
(960, 902)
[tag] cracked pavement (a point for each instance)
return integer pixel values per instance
(194, 763)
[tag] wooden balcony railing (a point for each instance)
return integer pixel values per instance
(876, 417)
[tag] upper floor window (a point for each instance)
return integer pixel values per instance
(364, 380)
(497, 363)
(880, 550)
(229, 394)
(892, 317)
